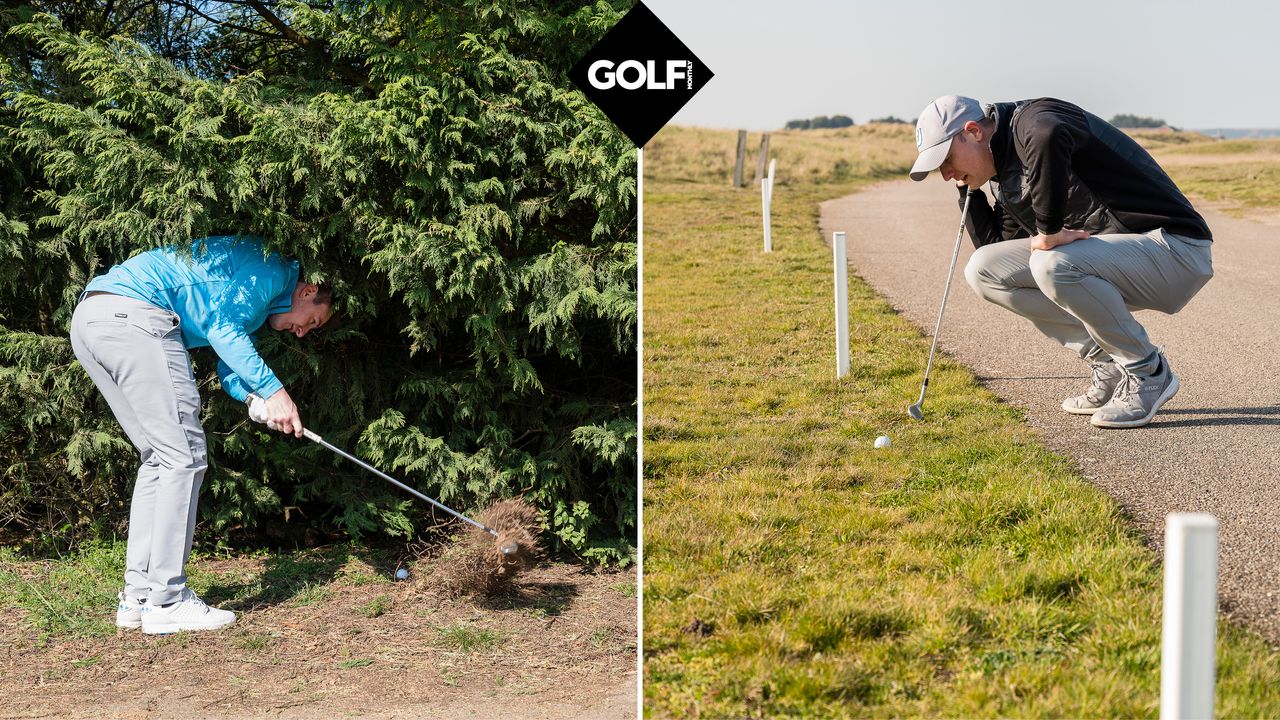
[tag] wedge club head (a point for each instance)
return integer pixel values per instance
(916, 411)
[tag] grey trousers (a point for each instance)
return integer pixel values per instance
(133, 352)
(1083, 294)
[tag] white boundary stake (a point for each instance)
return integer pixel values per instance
(764, 210)
(1189, 640)
(841, 257)
(766, 206)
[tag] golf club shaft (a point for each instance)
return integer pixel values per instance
(321, 441)
(955, 254)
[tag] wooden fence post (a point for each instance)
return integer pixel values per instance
(764, 157)
(742, 156)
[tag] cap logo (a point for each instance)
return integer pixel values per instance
(919, 139)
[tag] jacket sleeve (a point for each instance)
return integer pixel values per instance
(253, 287)
(1046, 138)
(987, 224)
(231, 382)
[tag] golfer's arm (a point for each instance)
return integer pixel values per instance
(1046, 141)
(240, 367)
(236, 352)
(231, 382)
(982, 223)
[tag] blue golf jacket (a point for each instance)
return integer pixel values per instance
(221, 294)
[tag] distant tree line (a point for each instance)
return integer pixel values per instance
(822, 121)
(1134, 121)
(891, 120)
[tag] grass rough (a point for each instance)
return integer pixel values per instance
(791, 569)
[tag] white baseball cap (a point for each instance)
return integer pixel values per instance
(942, 120)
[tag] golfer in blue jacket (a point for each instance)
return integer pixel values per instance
(131, 331)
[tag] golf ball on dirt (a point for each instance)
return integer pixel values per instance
(883, 441)
(402, 574)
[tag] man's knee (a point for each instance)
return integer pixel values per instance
(977, 272)
(185, 452)
(973, 276)
(1051, 269)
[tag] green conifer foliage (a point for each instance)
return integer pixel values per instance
(474, 212)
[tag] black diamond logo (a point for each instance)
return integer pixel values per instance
(640, 74)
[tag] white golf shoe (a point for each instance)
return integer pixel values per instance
(1106, 377)
(1137, 399)
(129, 612)
(188, 613)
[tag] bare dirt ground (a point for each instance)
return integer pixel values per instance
(562, 646)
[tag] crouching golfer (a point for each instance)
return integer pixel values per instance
(130, 332)
(1085, 229)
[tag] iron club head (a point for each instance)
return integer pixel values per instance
(916, 412)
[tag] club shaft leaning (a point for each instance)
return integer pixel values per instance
(955, 255)
(399, 484)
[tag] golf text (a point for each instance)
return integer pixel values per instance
(632, 74)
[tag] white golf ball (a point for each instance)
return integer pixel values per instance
(883, 441)
(402, 574)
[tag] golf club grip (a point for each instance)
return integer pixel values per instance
(321, 441)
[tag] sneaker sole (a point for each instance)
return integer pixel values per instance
(126, 625)
(1165, 397)
(184, 628)
(1080, 411)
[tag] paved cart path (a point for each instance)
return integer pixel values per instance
(1215, 447)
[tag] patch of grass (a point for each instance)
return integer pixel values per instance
(1241, 146)
(311, 595)
(355, 663)
(1250, 185)
(682, 155)
(601, 637)
(359, 572)
(253, 641)
(283, 577)
(74, 596)
(625, 589)
(375, 607)
(1153, 139)
(792, 569)
(469, 638)
(1242, 173)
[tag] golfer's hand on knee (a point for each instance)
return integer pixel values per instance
(1062, 237)
(282, 414)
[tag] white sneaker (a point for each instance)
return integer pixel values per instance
(129, 612)
(1137, 399)
(188, 613)
(1106, 378)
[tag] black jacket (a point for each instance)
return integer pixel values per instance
(1058, 166)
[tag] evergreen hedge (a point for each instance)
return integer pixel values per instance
(474, 212)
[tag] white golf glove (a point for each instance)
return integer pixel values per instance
(258, 411)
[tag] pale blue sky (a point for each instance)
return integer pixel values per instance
(1195, 64)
